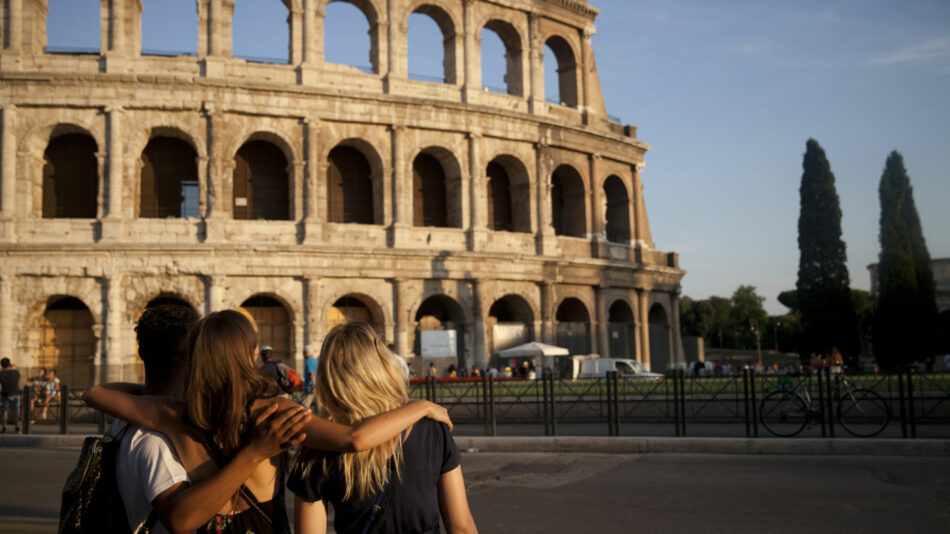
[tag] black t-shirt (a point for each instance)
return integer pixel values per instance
(411, 503)
(10, 382)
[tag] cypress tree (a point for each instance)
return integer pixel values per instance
(823, 287)
(905, 317)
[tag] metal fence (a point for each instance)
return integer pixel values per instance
(683, 402)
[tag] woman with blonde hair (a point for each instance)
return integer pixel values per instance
(225, 395)
(403, 484)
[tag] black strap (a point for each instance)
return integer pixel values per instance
(377, 506)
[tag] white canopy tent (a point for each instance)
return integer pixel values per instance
(533, 348)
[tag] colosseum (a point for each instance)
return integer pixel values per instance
(457, 219)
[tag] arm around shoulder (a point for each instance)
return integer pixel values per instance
(153, 413)
(329, 436)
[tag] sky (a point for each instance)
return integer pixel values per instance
(726, 93)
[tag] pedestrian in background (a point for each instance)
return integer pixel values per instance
(309, 375)
(9, 394)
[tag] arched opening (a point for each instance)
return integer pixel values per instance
(349, 35)
(560, 72)
(169, 186)
(573, 326)
(428, 192)
(274, 325)
(250, 22)
(621, 331)
(568, 202)
(431, 45)
(509, 195)
(350, 183)
(68, 343)
(618, 210)
(72, 26)
(163, 39)
(492, 33)
(261, 182)
(350, 308)
(71, 177)
(659, 339)
(168, 300)
(438, 335)
(510, 323)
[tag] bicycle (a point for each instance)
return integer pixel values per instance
(785, 412)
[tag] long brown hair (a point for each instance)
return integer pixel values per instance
(221, 377)
(357, 378)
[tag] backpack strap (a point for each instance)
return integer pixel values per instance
(377, 506)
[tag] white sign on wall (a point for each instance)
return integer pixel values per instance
(438, 343)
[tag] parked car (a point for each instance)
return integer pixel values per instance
(625, 367)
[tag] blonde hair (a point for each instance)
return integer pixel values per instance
(357, 378)
(221, 378)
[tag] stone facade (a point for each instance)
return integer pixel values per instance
(501, 240)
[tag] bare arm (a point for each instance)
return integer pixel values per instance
(184, 509)
(329, 436)
(152, 413)
(309, 517)
(453, 503)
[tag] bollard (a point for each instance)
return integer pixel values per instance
(27, 408)
(912, 420)
(63, 408)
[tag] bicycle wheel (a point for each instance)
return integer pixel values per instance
(783, 413)
(863, 413)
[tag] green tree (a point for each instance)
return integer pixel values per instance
(906, 315)
(823, 293)
(747, 316)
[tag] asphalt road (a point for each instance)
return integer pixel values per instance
(578, 493)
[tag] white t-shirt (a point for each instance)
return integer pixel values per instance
(146, 465)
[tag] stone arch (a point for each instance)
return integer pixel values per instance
(508, 183)
(573, 326)
(355, 306)
(621, 330)
(660, 346)
(274, 319)
(168, 181)
(371, 10)
(567, 70)
(568, 202)
(510, 322)
(431, 165)
(438, 312)
(443, 17)
(70, 175)
(34, 142)
(68, 340)
(369, 172)
(513, 40)
(262, 180)
(617, 212)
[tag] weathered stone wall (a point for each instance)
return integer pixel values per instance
(117, 262)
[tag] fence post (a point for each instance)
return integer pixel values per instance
(829, 398)
(682, 378)
(27, 408)
(612, 426)
(491, 405)
(911, 416)
(616, 403)
(745, 402)
(900, 396)
(821, 403)
(755, 404)
(553, 403)
(63, 408)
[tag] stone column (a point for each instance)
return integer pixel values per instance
(473, 74)
(600, 304)
(636, 228)
(113, 356)
(397, 39)
(6, 315)
(214, 289)
(597, 210)
(112, 35)
(677, 354)
(547, 243)
(220, 15)
(480, 356)
(400, 312)
(583, 99)
(295, 22)
(400, 208)
(204, 30)
(478, 225)
(643, 326)
(310, 312)
(536, 64)
(8, 164)
(307, 70)
(313, 215)
(548, 334)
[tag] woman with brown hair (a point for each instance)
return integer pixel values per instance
(224, 395)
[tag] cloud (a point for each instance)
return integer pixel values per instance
(934, 49)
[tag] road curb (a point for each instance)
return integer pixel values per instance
(630, 445)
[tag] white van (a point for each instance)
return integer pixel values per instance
(626, 368)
